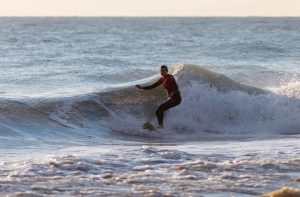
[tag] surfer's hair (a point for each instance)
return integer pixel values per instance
(164, 67)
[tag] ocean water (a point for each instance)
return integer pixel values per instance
(71, 119)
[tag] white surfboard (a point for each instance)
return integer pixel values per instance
(149, 126)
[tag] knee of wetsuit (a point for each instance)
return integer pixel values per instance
(157, 111)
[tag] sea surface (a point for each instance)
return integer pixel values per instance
(71, 118)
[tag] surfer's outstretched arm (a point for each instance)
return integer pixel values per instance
(151, 86)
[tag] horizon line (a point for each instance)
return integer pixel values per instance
(158, 16)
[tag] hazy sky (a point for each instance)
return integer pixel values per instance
(149, 7)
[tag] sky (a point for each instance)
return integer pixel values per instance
(149, 7)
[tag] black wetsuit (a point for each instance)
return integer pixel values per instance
(171, 86)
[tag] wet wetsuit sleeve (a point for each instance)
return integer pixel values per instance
(153, 85)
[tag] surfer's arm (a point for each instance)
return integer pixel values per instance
(153, 85)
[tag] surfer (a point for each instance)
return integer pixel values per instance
(171, 86)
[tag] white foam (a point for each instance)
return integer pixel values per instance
(206, 109)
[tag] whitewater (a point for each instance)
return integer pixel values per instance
(71, 117)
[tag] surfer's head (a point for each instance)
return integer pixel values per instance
(163, 70)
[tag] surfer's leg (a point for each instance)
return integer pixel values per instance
(164, 107)
(160, 113)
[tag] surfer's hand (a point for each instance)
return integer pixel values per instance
(139, 87)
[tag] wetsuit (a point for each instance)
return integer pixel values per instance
(170, 85)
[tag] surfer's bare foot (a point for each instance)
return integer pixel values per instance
(160, 127)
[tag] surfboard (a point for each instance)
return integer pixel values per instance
(149, 126)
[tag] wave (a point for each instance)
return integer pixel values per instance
(213, 104)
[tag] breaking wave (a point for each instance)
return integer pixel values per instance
(213, 104)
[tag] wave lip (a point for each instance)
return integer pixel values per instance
(188, 73)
